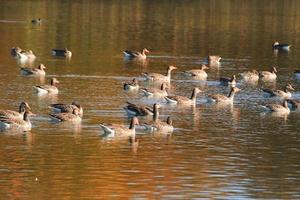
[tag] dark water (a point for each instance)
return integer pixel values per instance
(230, 152)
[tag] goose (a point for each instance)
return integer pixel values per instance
(155, 92)
(136, 55)
(250, 76)
(136, 110)
(197, 73)
(47, 89)
(284, 109)
(219, 98)
(294, 104)
(66, 116)
(39, 71)
(133, 85)
(62, 52)
(297, 73)
(278, 46)
(67, 108)
(228, 81)
(159, 77)
(23, 124)
(116, 130)
(10, 114)
(269, 75)
(26, 56)
(182, 100)
(280, 93)
(213, 59)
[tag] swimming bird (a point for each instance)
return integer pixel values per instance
(67, 108)
(62, 52)
(15, 50)
(182, 100)
(10, 114)
(277, 45)
(140, 110)
(197, 73)
(160, 77)
(116, 130)
(283, 109)
(213, 59)
(23, 124)
(294, 104)
(269, 75)
(133, 85)
(228, 81)
(66, 116)
(250, 76)
(219, 98)
(21, 55)
(155, 92)
(285, 93)
(39, 71)
(136, 55)
(47, 89)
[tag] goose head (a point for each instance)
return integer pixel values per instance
(42, 67)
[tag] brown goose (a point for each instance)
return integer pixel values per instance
(116, 130)
(10, 114)
(160, 77)
(39, 71)
(213, 59)
(133, 85)
(135, 55)
(67, 108)
(155, 92)
(197, 73)
(285, 93)
(284, 109)
(269, 75)
(137, 110)
(66, 117)
(23, 124)
(250, 76)
(182, 100)
(47, 89)
(219, 98)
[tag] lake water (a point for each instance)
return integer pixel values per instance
(222, 152)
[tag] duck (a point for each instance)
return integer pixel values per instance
(62, 52)
(133, 85)
(219, 98)
(155, 92)
(23, 124)
(66, 116)
(155, 77)
(213, 59)
(67, 108)
(269, 75)
(36, 21)
(182, 100)
(285, 93)
(47, 89)
(278, 46)
(297, 73)
(137, 110)
(136, 55)
(39, 71)
(283, 109)
(197, 73)
(293, 104)
(116, 130)
(10, 114)
(228, 81)
(250, 76)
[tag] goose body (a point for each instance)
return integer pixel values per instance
(135, 55)
(25, 56)
(66, 116)
(250, 76)
(47, 89)
(23, 124)
(280, 93)
(67, 108)
(197, 73)
(116, 130)
(219, 98)
(155, 77)
(10, 114)
(228, 81)
(137, 110)
(279, 46)
(284, 109)
(155, 92)
(40, 71)
(62, 52)
(269, 75)
(182, 100)
(133, 85)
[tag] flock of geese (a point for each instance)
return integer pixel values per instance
(19, 120)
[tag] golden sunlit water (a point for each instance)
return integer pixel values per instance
(215, 152)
